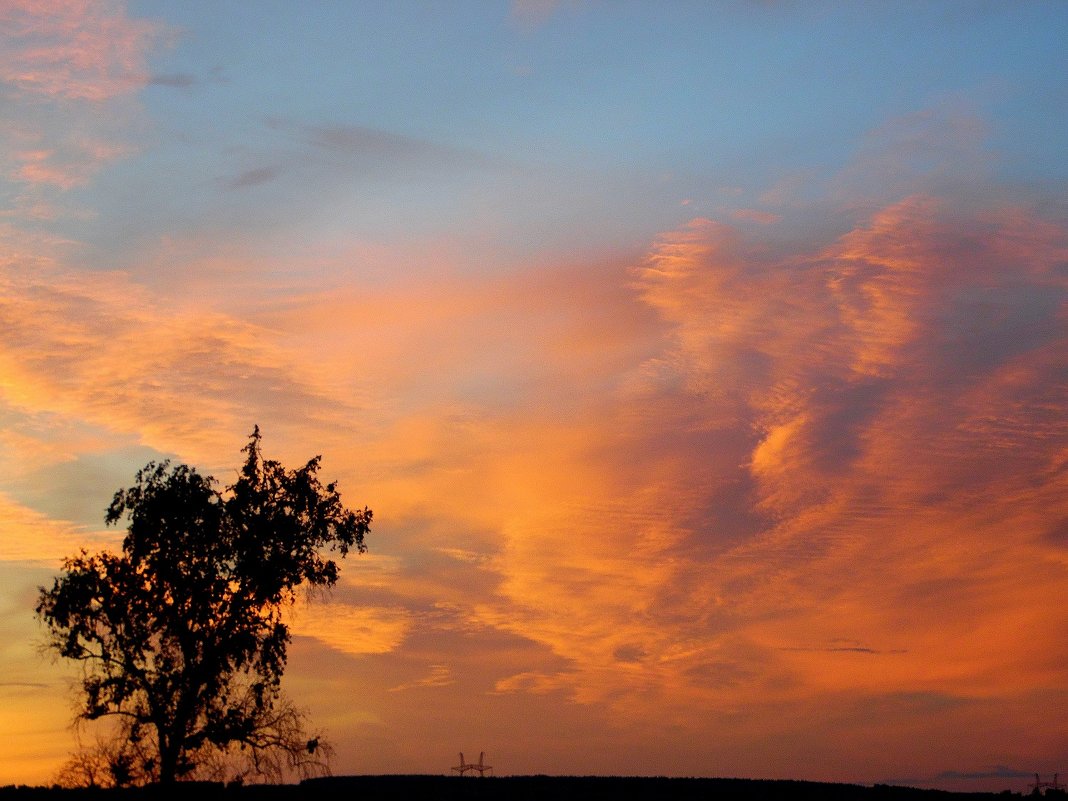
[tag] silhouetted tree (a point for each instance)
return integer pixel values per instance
(181, 636)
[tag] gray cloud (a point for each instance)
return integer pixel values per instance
(1058, 532)
(358, 139)
(629, 653)
(177, 80)
(995, 772)
(374, 147)
(257, 175)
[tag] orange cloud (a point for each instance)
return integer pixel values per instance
(862, 371)
(800, 495)
(722, 491)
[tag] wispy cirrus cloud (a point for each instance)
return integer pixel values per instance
(87, 50)
(68, 73)
(103, 350)
(252, 177)
(439, 676)
(374, 151)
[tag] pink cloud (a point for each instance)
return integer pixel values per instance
(86, 50)
(73, 71)
(534, 13)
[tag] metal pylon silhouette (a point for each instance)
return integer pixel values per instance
(1040, 785)
(481, 766)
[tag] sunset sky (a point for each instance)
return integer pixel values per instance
(705, 364)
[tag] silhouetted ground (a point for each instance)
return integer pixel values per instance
(513, 788)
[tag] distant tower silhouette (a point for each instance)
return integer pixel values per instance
(481, 767)
(1040, 785)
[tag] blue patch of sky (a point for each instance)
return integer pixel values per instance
(647, 82)
(624, 108)
(81, 489)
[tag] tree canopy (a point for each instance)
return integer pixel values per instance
(181, 635)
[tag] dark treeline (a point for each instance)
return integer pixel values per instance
(510, 788)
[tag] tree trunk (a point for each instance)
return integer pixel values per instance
(168, 759)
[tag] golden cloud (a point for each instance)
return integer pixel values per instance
(31, 536)
(100, 349)
(352, 630)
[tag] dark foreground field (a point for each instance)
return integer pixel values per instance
(513, 788)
